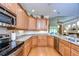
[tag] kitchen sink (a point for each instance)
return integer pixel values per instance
(72, 39)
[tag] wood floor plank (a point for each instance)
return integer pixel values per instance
(43, 51)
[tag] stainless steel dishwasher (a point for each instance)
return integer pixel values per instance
(56, 43)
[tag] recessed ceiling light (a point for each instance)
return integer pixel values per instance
(77, 23)
(33, 10)
(54, 10)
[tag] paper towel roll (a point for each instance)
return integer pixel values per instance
(13, 36)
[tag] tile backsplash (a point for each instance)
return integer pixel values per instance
(19, 33)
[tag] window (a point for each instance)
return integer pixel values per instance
(53, 30)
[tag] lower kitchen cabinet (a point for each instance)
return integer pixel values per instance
(20, 53)
(32, 23)
(34, 41)
(61, 48)
(64, 49)
(42, 40)
(50, 40)
(74, 52)
(27, 47)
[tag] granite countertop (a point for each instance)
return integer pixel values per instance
(27, 36)
(69, 39)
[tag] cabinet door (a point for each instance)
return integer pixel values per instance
(74, 52)
(27, 47)
(11, 6)
(34, 41)
(32, 23)
(38, 26)
(66, 51)
(42, 40)
(50, 41)
(20, 20)
(61, 48)
(44, 25)
(25, 21)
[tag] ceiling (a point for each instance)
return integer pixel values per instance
(61, 11)
(52, 9)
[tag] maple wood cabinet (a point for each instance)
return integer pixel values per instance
(20, 51)
(61, 49)
(27, 47)
(50, 40)
(68, 49)
(22, 19)
(31, 23)
(42, 40)
(64, 48)
(10, 6)
(34, 41)
(74, 50)
(42, 24)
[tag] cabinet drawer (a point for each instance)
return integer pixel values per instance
(64, 50)
(74, 52)
(50, 41)
(61, 48)
(34, 41)
(75, 47)
(65, 42)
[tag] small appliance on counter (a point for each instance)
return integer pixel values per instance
(13, 36)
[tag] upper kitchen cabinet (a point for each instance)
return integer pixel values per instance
(32, 23)
(11, 7)
(25, 21)
(22, 18)
(42, 24)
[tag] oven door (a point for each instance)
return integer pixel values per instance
(4, 42)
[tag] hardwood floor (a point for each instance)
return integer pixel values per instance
(43, 51)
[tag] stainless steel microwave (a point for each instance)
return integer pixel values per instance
(7, 18)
